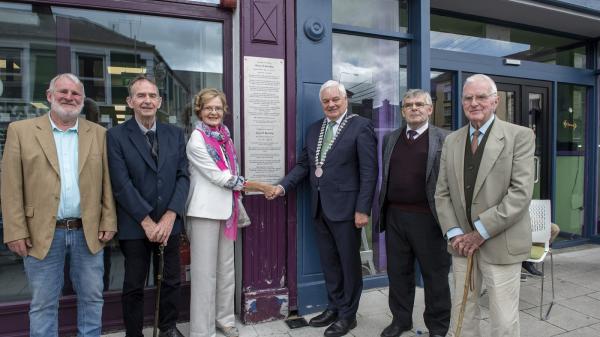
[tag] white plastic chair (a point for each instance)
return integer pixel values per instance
(539, 212)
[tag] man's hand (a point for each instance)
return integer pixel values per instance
(274, 192)
(165, 226)
(105, 236)
(20, 247)
(467, 244)
(150, 228)
(360, 219)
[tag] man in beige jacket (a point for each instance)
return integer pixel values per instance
(57, 201)
(482, 200)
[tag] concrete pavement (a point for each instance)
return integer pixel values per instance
(576, 312)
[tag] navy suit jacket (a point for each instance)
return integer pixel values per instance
(142, 187)
(349, 172)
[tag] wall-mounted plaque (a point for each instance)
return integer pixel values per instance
(264, 122)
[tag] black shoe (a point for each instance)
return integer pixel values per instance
(437, 334)
(173, 332)
(394, 330)
(340, 328)
(531, 269)
(323, 319)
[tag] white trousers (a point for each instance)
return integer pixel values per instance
(212, 275)
(502, 283)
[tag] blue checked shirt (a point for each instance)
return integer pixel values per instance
(67, 151)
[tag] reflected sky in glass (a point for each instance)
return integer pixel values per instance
(389, 15)
(370, 68)
(186, 45)
(476, 45)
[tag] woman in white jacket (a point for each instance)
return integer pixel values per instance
(213, 209)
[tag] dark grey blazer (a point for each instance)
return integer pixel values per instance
(436, 141)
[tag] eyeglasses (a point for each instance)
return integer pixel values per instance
(415, 104)
(213, 108)
(477, 98)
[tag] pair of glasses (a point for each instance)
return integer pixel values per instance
(213, 108)
(415, 104)
(477, 98)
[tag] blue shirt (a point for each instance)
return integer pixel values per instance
(455, 231)
(67, 151)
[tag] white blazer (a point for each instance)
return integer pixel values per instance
(207, 198)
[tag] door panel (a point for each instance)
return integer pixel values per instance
(527, 103)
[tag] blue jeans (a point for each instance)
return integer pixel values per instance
(46, 279)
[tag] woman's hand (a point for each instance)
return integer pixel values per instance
(257, 186)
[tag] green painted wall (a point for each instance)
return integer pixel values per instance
(569, 193)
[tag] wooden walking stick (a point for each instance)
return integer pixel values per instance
(468, 278)
(159, 276)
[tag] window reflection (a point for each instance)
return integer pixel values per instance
(374, 74)
(384, 15)
(442, 96)
(506, 108)
(106, 50)
(470, 36)
(571, 111)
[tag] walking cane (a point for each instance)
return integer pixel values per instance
(461, 314)
(161, 264)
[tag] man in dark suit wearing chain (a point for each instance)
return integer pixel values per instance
(340, 157)
(411, 162)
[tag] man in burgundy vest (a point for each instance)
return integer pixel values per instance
(411, 160)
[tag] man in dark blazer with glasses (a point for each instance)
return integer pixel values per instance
(411, 162)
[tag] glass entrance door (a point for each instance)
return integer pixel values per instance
(527, 103)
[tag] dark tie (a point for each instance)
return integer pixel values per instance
(475, 141)
(151, 136)
(412, 134)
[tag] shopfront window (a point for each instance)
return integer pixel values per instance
(388, 15)
(374, 74)
(476, 37)
(569, 203)
(106, 50)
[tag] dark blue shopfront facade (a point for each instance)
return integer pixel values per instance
(524, 81)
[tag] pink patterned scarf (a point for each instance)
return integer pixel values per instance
(218, 141)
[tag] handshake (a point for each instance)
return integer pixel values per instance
(270, 191)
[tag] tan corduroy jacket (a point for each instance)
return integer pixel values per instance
(501, 194)
(30, 184)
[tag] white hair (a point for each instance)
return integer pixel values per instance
(71, 77)
(482, 77)
(332, 83)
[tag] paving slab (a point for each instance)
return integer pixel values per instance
(583, 304)
(582, 332)
(564, 317)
